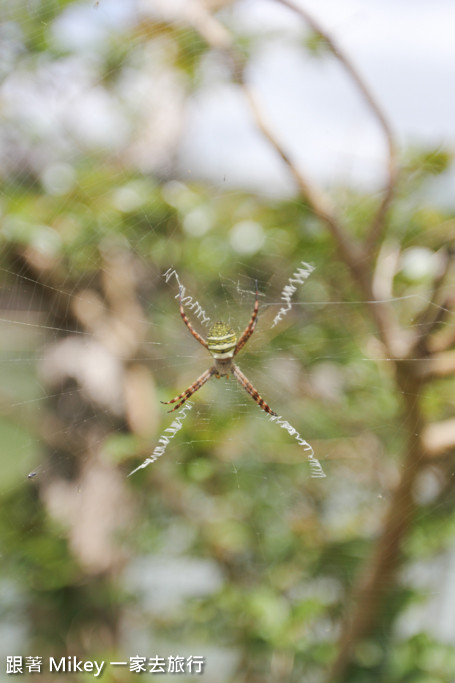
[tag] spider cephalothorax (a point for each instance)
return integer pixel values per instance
(223, 345)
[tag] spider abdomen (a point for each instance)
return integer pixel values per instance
(221, 341)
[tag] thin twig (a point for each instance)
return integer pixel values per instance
(434, 313)
(378, 223)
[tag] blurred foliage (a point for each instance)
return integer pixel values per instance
(276, 552)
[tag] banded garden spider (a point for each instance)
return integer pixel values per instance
(223, 345)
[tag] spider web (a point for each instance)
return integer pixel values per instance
(92, 338)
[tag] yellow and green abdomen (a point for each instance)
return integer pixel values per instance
(221, 341)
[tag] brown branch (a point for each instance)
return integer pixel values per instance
(433, 313)
(378, 222)
(377, 577)
(442, 340)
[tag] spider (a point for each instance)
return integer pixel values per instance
(223, 345)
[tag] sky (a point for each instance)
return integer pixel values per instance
(405, 52)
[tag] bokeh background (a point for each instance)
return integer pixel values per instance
(228, 141)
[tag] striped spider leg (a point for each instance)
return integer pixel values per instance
(250, 327)
(223, 345)
(197, 336)
(184, 396)
(246, 384)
